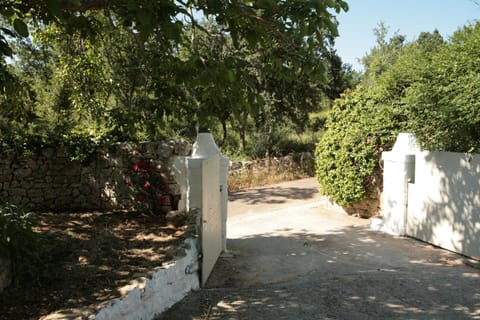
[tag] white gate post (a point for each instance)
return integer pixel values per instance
(398, 171)
(203, 148)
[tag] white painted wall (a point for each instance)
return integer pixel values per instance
(158, 293)
(203, 184)
(433, 196)
(189, 175)
(444, 201)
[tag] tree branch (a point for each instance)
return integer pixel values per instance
(194, 22)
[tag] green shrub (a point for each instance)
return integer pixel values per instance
(347, 156)
(430, 88)
(18, 243)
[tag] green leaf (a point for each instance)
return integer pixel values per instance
(54, 7)
(20, 27)
(5, 49)
(7, 12)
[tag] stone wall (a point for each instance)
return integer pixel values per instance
(49, 180)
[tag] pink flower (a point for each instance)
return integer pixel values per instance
(146, 185)
(136, 168)
(164, 200)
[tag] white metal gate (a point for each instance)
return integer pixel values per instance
(211, 233)
(206, 186)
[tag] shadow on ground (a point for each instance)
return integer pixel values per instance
(348, 273)
(273, 195)
(85, 259)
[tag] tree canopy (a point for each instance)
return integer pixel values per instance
(119, 69)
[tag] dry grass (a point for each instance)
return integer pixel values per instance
(256, 177)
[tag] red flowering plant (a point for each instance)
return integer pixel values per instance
(151, 190)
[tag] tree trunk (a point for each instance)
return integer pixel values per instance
(224, 128)
(243, 128)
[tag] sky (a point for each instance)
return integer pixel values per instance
(408, 17)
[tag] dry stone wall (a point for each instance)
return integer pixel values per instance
(49, 180)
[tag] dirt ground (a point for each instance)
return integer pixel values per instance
(86, 258)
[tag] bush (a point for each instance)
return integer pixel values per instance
(347, 155)
(431, 89)
(18, 243)
(150, 187)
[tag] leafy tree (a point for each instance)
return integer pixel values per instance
(444, 102)
(430, 88)
(340, 76)
(383, 54)
(259, 22)
(135, 69)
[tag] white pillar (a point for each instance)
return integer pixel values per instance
(398, 171)
(203, 148)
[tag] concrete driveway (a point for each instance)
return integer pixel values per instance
(290, 258)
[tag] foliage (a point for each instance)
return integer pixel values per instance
(143, 70)
(428, 86)
(150, 187)
(18, 242)
(382, 56)
(359, 127)
(444, 102)
(282, 140)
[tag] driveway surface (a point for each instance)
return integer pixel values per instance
(291, 258)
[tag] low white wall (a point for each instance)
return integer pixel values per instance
(165, 288)
(444, 201)
(432, 196)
